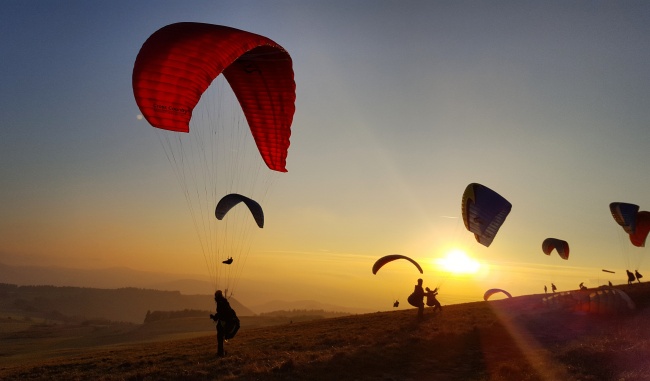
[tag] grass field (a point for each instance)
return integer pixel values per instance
(512, 339)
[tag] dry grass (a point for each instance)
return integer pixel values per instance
(515, 339)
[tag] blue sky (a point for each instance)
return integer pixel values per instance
(399, 106)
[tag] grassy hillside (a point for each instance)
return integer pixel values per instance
(512, 339)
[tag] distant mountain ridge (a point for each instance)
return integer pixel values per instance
(122, 277)
(114, 277)
(122, 304)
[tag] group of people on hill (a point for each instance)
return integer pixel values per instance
(553, 288)
(631, 277)
(416, 299)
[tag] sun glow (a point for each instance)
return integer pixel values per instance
(458, 262)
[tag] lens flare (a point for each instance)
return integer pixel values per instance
(458, 262)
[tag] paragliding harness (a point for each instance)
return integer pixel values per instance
(227, 323)
(415, 300)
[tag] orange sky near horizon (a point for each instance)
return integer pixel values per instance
(399, 106)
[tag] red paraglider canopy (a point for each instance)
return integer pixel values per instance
(642, 229)
(178, 62)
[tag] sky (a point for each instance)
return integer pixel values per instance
(400, 105)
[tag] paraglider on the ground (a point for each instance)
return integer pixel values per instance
(610, 301)
(179, 61)
(392, 257)
(640, 234)
(230, 201)
(493, 291)
(206, 89)
(625, 215)
(562, 247)
(484, 211)
(605, 301)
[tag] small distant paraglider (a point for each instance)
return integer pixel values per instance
(562, 247)
(609, 271)
(231, 200)
(493, 291)
(392, 257)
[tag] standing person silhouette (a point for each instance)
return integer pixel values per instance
(226, 319)
(416, 299)
(638, 275)
(630, 277)
(553, 288)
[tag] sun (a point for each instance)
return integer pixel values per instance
(458, 262)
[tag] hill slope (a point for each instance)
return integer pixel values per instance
(512, 339)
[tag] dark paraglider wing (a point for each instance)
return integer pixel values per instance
(179, 61)
(231, 200)
(642, 228)
(392, 257)
(562, 247)
(484, 211)
(625, 215)
(610, 301)
(493, 291)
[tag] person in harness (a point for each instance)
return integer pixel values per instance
(431, 299)
(416, 299)
(226, 319)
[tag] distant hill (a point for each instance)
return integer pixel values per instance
(115, 277)
(123, 304)
(122, 277)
